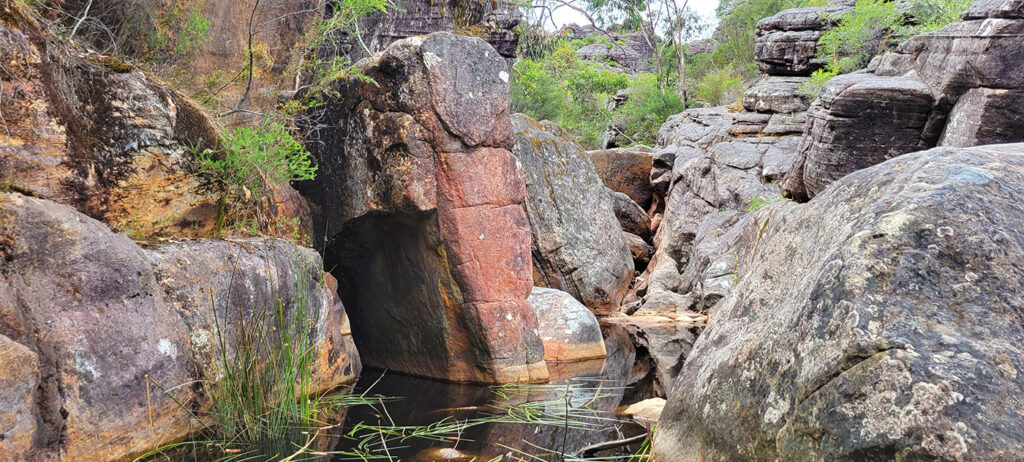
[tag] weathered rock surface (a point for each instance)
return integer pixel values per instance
(494, 22)
(630, 51)
(894, 338)
(778, 95)
(421, 206)
(101, 316)
(959, 86)
(87, 130)
(627, 171)
(787, 42)
(631, 217)
(18, 416)
(569, 330)
(577, 242)
(639, 249)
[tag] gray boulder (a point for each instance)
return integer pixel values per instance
(569, 330)
(787, 43)
(777, 94)
(876, 322)
(577, 242)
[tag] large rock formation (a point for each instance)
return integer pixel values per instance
(87, 318)
(577, 243)
(894, 334)
(787, 43)
(960, 86)
(421, 207)
(627, 171)
(86, 130)
(629, 52)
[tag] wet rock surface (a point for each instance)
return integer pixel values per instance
(577, 242)
(421, 205)
(871, 350)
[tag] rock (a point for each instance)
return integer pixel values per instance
(779, 157)
(630, 51)
(983, 116)
(696, 127)
(955, 87)
(577, 241)
(631, 217)
(663, 340)
(92, 310)
(785, 124)
(787, 42)
(777, 94)
(18, 417)
(101, 315)
(648, 409)
(860, 120)
(569, 330)
(494, 22)
(87, 130)
(981, 9)
(421, 207)
(890, 342)
(639, 249)
(627, 171)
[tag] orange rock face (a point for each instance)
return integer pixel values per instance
(421, 205)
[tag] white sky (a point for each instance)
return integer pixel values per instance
(564, 16)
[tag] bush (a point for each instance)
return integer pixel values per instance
(648, 107)
(721, 86)
(931, 15)
(254, 158)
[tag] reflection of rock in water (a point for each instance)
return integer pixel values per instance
(593, 390)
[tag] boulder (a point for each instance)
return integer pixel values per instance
(890, 341)
(787, 43)
(629, 51)
(639, 249)
(631, 217)
(958, 86)
(569, 330)
(421, 208)
(627, 171)
(777, 94)
(94, 317)
(577, 241)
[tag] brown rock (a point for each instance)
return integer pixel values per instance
(626, 171)
(18, 417)
(421, 206)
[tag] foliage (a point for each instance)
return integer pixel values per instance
(720, 86)
(648, 107)
(568, 91)
(254, 158)
(931, 15)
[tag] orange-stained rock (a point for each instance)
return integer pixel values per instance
(420, 205)
(87, 130)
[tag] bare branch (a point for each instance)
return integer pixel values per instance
(85, 14)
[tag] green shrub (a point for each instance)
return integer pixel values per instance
(931, 15)
(252, 157)
(721, 86)
(860, 35)
(648, 106)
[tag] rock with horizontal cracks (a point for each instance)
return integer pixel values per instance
(787, 43)
(421, 207)
(102, 316)
(896, 338)
(569, 330)
(577, 242)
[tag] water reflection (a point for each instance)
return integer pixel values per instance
(460, 422)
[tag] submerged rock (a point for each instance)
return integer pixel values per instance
(896, 338)
(421, 207)
(577, 242)
(569, 330)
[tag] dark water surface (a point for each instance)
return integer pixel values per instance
(533, 422)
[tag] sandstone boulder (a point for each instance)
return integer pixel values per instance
(569, 330)
(787, 43)
(777, 94)
(421, 208)
(19, 419)
(627, 171)
(577, 242)
(630, 51)
(888, 336)
(95, 317)
(631, 217)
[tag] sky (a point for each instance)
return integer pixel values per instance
(565, 16)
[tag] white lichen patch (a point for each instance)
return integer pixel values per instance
(503, 76)
(430, 59)
(165, 347)
(84, 364)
